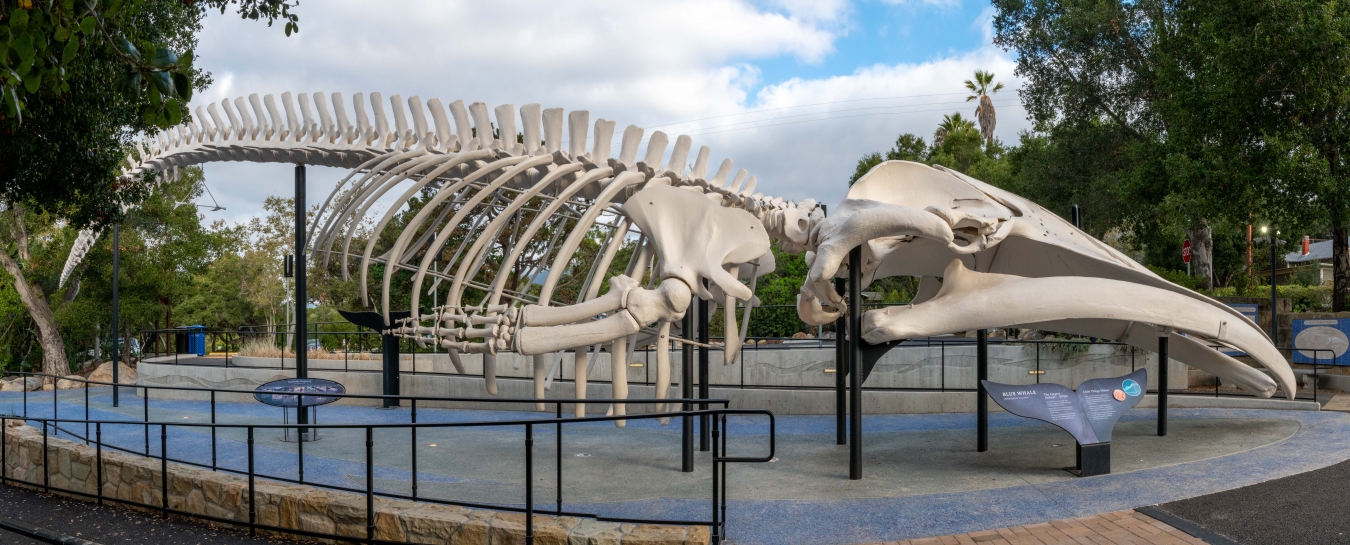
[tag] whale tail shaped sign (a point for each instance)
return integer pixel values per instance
(1088, 413)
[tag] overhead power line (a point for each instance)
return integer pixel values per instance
(814, 120)
(1004, 102)
(813, 104)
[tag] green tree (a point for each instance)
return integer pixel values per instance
(75, 88)
(983, 85)
(952, 124)
(908, 147)
(1197, 112)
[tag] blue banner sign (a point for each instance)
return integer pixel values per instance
(1322, 341)
(1088, 414)
(283, 393)
(1249, 310)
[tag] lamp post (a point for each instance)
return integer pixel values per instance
(1274, 317)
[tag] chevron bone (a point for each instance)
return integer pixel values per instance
(988, 259)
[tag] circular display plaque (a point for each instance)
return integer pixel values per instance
(282, 393)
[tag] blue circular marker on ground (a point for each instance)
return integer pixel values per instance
(1131, 387)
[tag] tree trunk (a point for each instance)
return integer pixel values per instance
(49, 336)
(1340, 259)
(1202, 253)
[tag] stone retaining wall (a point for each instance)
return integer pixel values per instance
(72, 466)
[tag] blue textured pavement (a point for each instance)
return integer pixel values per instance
(1321, 440)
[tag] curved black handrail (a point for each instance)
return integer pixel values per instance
(716, 416)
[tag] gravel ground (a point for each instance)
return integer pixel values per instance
(107, 525)
(1304, 508)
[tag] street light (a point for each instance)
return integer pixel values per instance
(1274, 318)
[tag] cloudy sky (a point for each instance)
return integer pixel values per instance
(793, 90)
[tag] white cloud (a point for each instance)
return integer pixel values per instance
(985, 23)
(643, 63)
(939, 3)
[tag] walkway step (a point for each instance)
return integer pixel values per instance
(1340, 402)
(1119, 527)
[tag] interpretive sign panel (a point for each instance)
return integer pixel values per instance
(1323, 341)
(282, 393)
(1088, 413)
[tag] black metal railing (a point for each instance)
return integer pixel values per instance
(70, 426)
(949, 347)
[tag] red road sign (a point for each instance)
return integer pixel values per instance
(1186, 252)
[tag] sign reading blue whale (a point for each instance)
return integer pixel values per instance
(1088, 413)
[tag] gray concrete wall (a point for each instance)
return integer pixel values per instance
(903, 368)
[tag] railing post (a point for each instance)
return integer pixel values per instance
(982, 400)
(1163, 334)
(687, 391)
(413, 436)
(942, 357)
(716, 488)
(86, 413)
(252, 501)
(370, 483)
(1038, 362)
(46, 468)
(300, 443)
(726, 432)
(213, 430)
(558, 472)
(703, 433)
(98, 460)
(529, 484)
(145, 414)
(164, 470)
(1315, 377)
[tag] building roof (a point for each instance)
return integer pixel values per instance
(1317, 251)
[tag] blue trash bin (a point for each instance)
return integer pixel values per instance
(196, 339)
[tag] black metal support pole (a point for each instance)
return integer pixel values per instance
(1162, 383)
(252, 490)
(370, 484)
(529, 484)
(981, 402)
(558, 472)
(841, 356)
(390, 355)
(301, 295)
(116, 345)
(687, 390)
(412, 437)
(855, 363)
(704, 434)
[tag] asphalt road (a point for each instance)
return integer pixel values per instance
(1308, 508)
(108, 525)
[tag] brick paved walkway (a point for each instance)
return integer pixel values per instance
(1118, 528)
(1341, 402)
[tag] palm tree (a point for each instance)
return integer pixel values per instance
(951, 124)
(984, 112)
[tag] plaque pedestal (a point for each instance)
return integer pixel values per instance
(294, 435)
(1094, 459)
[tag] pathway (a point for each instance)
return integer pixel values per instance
(1116, 528)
